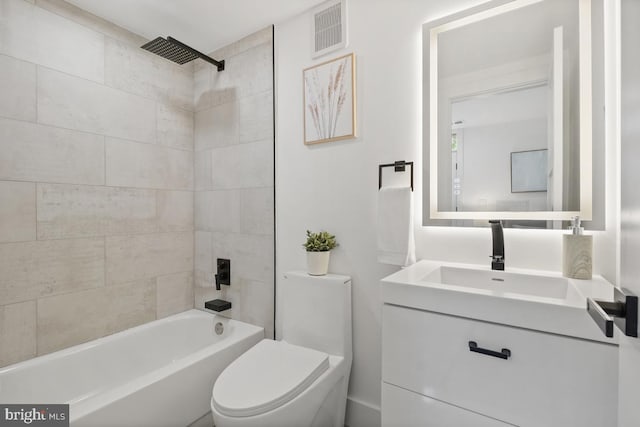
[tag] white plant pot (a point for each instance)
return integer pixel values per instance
(318, 263)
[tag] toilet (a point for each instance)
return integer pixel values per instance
(301, 380)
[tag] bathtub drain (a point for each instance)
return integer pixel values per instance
(219, 328)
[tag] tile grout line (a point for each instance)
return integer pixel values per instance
(96, 82)
(123, 187)
(35, 200)
(37, 331)
(101, 236)
(37, 97)
(85, 132)
(104, 138)
(125, 33)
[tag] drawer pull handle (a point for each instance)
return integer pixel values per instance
(505, 353)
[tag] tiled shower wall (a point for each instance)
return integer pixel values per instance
(234, 161)
(96, 180)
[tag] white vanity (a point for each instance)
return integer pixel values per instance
(463, 345)
(512, 117)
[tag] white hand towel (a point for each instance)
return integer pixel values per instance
(396, 244)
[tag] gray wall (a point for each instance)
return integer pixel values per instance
(234, 207)
(96, 180)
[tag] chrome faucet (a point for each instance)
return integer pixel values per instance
(497, 258)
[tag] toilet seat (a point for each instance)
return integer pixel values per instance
(266, 377)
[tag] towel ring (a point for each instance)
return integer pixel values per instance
(398, 166)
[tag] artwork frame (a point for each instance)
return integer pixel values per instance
(329, 110)
(529, 171)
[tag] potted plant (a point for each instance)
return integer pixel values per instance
(318, 246)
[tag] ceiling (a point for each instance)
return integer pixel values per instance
(203, 24)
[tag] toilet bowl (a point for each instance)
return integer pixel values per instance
(302, 379)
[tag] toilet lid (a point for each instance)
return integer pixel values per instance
(266, 377)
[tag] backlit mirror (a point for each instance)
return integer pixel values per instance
(509, 121)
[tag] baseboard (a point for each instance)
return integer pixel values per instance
(205, 421)
(361, 414)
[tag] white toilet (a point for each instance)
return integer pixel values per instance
(302, 380)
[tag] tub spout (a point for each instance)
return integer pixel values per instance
(217, 305)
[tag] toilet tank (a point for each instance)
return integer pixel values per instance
(316, 312)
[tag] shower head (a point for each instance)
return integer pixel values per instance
(178, 52)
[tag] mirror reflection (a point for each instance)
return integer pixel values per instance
(504, 107)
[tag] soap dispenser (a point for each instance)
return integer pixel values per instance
(577, 252)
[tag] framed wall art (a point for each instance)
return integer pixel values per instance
(330, 100)
(529, 171)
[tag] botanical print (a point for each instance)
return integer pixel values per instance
(329, 112)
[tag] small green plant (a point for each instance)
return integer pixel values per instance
(320, 242)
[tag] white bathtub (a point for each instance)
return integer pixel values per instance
(157, 374)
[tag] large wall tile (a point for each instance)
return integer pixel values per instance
(249, 72)
(251, 41)
(35, 269)
(175, 210)
(66, 211)
(143, 256)
(218, 210)
(251, 255)
(33, 34)
(202, 165)
(17, 211)
(89, 20)
(203, 263)
(223, 87)
(201, 88)
(256, 117)
(74, 103)
(174, 294)
(257, 306)
(217, 126)
(136, 71)
(201, 295)
(175, 127)
(18, 89)
(30, 152)
(252, 302)
(17, 332)
(243, 166)
(132, 164)
(255, 69)
(71, 319)
(256, 211)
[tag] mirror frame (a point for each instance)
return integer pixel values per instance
(430, 111)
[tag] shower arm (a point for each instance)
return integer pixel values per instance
(219, 64)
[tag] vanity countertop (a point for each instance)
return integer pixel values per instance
(424, 286)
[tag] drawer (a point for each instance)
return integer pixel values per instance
(403, 408)
(548, 380)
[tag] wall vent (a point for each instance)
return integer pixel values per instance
(329, 27)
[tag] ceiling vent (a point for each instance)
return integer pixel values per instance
(329, 27)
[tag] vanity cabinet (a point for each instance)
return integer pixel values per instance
(406, 408)
(443, 370)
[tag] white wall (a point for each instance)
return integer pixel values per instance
(334, 186)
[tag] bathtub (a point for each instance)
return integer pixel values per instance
(157, 374)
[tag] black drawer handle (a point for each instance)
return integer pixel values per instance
(505, 353)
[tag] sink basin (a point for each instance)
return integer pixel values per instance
(500, 282)
(532, 299)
